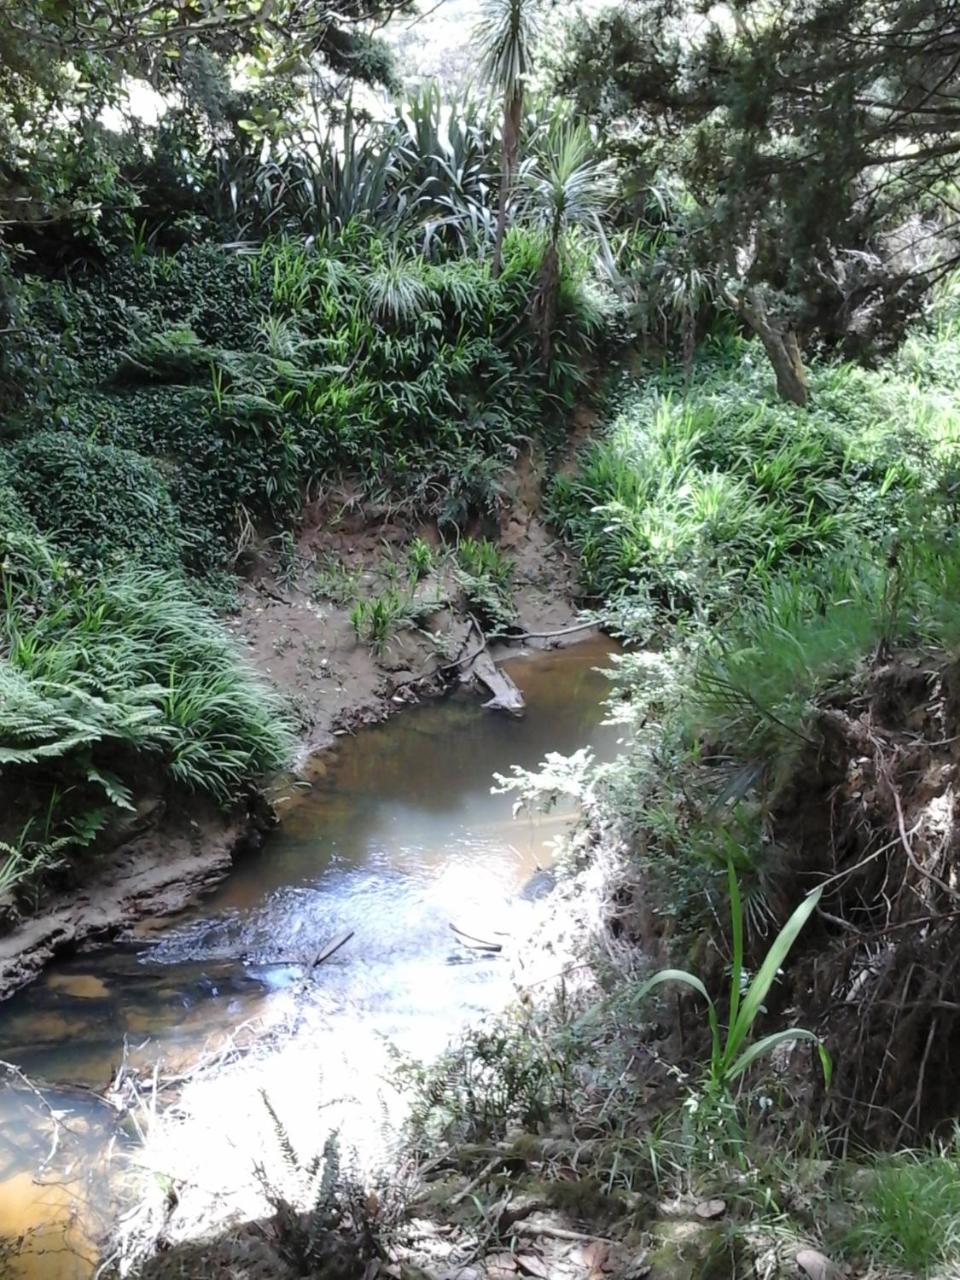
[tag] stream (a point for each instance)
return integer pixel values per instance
(397, 837)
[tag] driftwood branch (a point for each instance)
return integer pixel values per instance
(477, 664)
(55, 1120)
(472, 1185)
(471, 940)
(506, 695)
(555, 1233)
(519, 637)
(330, 949)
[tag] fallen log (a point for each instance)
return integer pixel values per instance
(476, 666)
(506, 695)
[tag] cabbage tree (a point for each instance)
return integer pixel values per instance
(506, 35)
(566, 186)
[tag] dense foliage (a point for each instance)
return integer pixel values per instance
(63, 66)
(695, 494)
(203, 392)
(107, 684)
(814, 151)
(172, 408)
(269, 293)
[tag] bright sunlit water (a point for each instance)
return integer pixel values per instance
(398, 837)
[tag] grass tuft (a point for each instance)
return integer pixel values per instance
(96, 674)
(908, 1207)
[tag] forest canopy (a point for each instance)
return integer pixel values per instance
(63, 64)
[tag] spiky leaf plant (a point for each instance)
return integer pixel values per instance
(732, 1053)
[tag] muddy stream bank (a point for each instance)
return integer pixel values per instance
(396, 837)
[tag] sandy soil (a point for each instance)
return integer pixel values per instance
(305, 643)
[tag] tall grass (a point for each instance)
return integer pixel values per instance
(692, 493)
(907, 1213)
(733, 1053)
(755, 680)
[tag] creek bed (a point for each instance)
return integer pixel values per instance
(397, 837)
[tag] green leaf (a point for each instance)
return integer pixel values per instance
(736, 920)
(826, 1062)
(766, 974)
(674, 975)
(117, 793)
(689, 980)
(767, 1045)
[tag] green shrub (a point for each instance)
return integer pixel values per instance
(133, 663)
(486, 576)
(481, 558)
(420, 559)
(97, 500)
(243, 380)
(376, 621)
(206, 288)
(106, 679)
(755, 680)
(734, 1052)
(689, 494)
(334, 581)
(15, 519)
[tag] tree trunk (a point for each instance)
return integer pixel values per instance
(509, 156)
(544, 305)
(782, 348)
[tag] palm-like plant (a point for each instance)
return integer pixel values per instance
(566, 186)
(507, 34)
(395, 289)
(451, 168)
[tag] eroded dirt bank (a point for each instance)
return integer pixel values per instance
(296, 628)
(188, 847)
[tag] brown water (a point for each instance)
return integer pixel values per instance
(398, 836)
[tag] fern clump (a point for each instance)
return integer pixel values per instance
(325, 1221)
(135, 660)
(100, 678)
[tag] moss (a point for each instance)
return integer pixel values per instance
(436, 1195)
(527, 1147)
(584, 1198)
(689, 1250)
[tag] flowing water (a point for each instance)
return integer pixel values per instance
(397, 837)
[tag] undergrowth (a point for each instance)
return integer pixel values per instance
(201, 395)
(486, 577)
(107, 681)
(791, 742)
(193, 402)
(694, 492)
(906, 1212)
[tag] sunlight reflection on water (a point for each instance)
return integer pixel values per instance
(398, 837)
